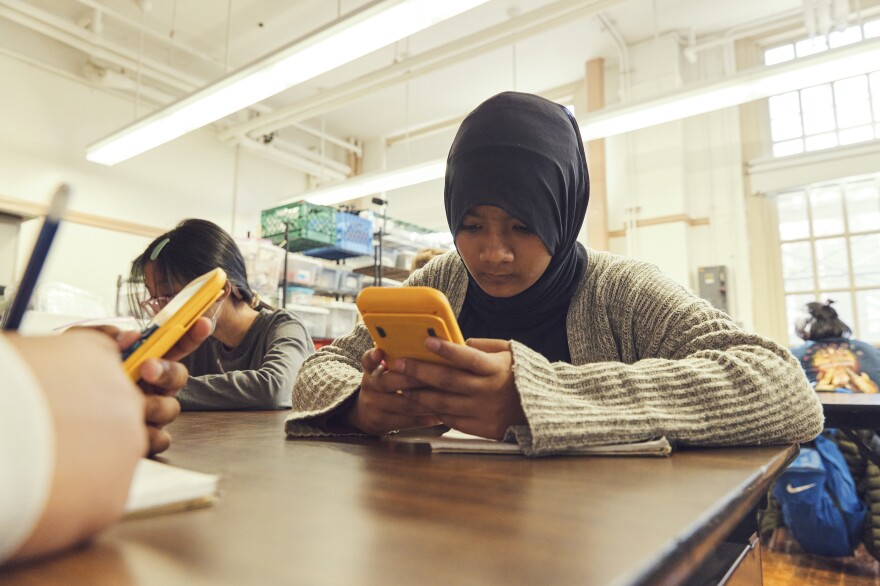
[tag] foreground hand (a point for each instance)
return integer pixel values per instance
(475, 395)
(161, 379)
(381, 406)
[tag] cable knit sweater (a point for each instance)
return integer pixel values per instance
(648, 359)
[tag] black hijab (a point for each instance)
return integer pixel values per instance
(523, 154)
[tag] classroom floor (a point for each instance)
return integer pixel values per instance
(784, 564)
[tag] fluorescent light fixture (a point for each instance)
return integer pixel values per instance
(372, 183)
(743, 87)
(363, 31)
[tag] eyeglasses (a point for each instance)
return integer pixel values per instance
(154, 305)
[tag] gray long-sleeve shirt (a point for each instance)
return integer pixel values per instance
(647, 359)
(257, 374)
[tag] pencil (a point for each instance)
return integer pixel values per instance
(15, 312)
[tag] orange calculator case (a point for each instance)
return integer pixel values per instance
(401, 318)
(172, 322)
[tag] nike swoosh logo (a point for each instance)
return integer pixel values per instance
(796, 489)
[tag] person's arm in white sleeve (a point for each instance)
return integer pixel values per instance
(27, 450)
(90, 416)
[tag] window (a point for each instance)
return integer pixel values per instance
(827, 115)
(830, 249)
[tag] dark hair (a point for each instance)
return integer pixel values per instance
(822, 323)
(423, 255)
(191, 249)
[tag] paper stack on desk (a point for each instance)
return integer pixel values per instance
(456, 442)
(160, 488)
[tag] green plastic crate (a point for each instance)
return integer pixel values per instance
(311, 226)
(354, 237)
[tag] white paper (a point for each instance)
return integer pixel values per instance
(454, 441)
(156, 485)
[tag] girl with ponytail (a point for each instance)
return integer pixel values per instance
(254, 354)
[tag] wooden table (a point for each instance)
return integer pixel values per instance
(373, 512)
(851, 410)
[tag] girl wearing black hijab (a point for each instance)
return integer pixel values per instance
(567, 347)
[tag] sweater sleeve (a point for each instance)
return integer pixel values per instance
(685, 371)
(265, 387)
(325, 381)
(333, 374)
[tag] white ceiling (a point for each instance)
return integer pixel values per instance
(175, 46)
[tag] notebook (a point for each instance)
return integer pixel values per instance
(161, 488)
(456, 442)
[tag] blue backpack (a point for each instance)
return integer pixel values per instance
(819, 502)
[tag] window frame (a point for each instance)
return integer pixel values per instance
(873, 125)
(859, 329)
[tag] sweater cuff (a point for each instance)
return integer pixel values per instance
(326, 423)
(566, 413)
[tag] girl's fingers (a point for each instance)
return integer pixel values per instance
(488, 344)
(441, 402)
(460, 356)
(371, 359)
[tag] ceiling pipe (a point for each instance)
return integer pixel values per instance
(93, 21)
(291, 160)
(110, 79)
(529, 24)
(94, 45)
(151, 32)
(784, 20)
(623, 55)
(309, 155)
(331, 139)
(755, 27)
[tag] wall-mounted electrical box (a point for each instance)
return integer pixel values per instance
(713, 285)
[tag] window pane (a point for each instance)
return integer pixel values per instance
(827, 208)
(810, 46)
(818, 107)
(789, 147)
(842, 305)
(832, 263)
(821, 141)
(795, 309)
(785, 105)
(872, 29)
(863, 207)
(793, 220)
(778, 54)
(797, 266)
(847, 37)
(852, 104)
(788, 127)
(857, 134)
(869, 315)
(866, 259)
(819, 120)
(851, 113)
(817, 97)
